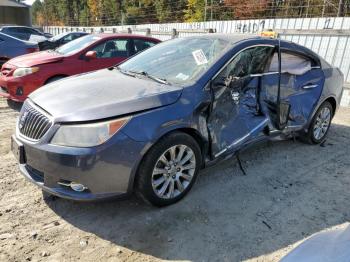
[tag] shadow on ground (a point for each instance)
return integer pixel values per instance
(291, 191)
(14, 105)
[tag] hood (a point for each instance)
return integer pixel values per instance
(102, 94)
(37, 58)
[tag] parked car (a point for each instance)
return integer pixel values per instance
(25, 33)
(24, 74)
(11, 47)
(59, 40)
(150, 124)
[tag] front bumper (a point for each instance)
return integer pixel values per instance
(107, 170)
(18, 89)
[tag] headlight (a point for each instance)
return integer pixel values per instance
(87, 135)
(23, 71)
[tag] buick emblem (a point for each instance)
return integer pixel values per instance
(22, 119)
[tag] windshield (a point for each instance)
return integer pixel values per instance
(180, 61)
(77, 45)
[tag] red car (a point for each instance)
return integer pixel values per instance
(24, 74)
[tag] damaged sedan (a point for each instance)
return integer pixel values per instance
(150, 124)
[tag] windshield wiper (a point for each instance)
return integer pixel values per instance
(143, 73)
(125, 72)
(157, 79)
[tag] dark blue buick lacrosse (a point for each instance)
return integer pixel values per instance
(151, 123)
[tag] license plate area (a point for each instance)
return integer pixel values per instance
(17, 149)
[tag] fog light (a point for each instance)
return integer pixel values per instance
(77, 187)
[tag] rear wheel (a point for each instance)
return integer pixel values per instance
(169, 169)
(319, 125)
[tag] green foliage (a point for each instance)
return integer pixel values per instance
(195, 11)
(117, 12)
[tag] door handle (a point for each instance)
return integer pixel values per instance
(309, 86)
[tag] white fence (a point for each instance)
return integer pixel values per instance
(327, 36)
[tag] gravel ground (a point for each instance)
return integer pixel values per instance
(291, 191)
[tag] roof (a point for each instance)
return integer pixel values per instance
(12, 3)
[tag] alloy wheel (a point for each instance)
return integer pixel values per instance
(173, 171)
(322, 123)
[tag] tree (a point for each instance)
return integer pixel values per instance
(195, 11)
(248, 9)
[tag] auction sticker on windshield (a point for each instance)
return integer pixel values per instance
(200, 57)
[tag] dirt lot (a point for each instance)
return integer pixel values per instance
(291, 191)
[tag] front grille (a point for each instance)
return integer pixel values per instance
(32, 123)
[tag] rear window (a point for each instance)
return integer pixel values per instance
(141, 45)
(291, 63)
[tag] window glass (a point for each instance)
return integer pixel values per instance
(32, 31)
(24, 30)
(141, 45)
(57, 37)
(112, 48)
(290, 63)
(68, 38)
(249, 61)
(75, 36)
(77, 45)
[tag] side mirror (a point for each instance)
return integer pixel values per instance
(91, 55)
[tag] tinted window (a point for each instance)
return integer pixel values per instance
(290, 63)
(141, 45)
(23, 30)
(30, 31)
(113, 48)
(68, 38)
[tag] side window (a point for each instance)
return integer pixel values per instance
(23, 30)
(141, 45)
(247, 62)
(291, 63)
(67, 38)
(75, 36)
(32, 31)
(112, 48)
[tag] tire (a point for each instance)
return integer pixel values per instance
(311, 136)
(14, 105)
(162, 184)
(53, 79)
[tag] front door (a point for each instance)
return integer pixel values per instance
(236, 116)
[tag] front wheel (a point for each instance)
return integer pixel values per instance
(169, 169)
(319, 125)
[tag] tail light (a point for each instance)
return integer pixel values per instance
(32, 49)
